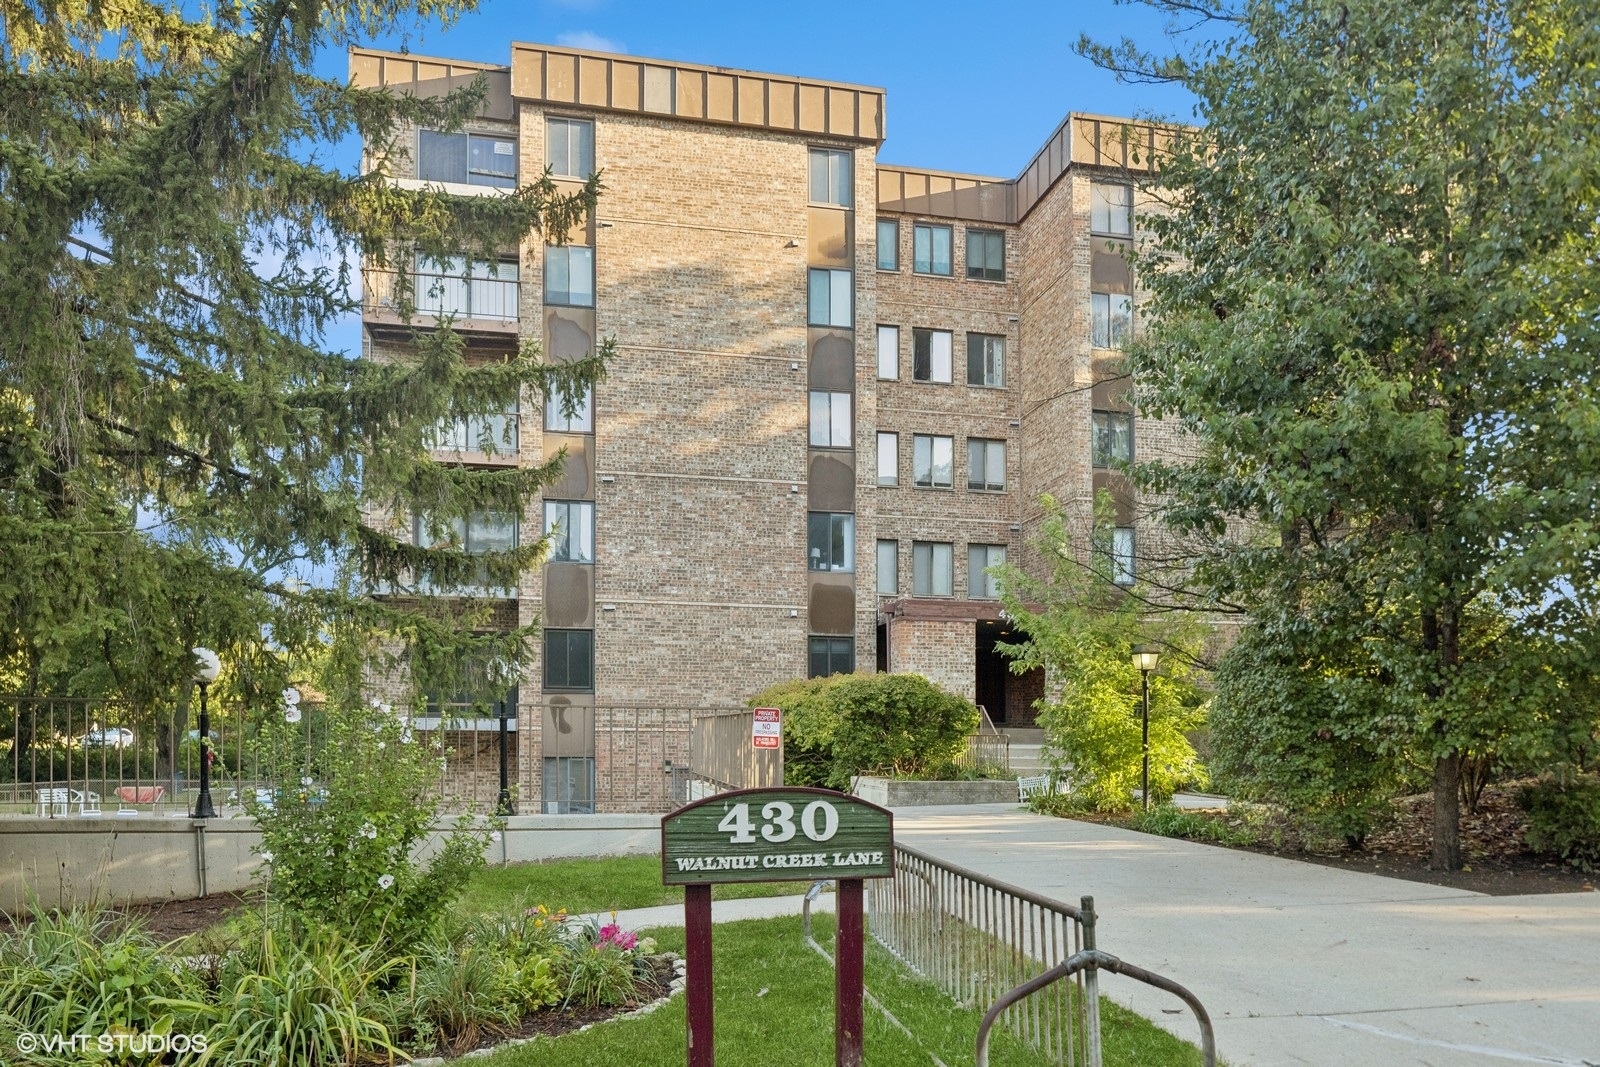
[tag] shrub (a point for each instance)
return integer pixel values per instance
(1564, 818)
(1216, 827)
(461, 990)
(341, 848)
(900, 725)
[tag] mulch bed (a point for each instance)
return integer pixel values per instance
(1497, 858)
(168, 920)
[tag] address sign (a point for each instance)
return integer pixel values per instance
(775, 835)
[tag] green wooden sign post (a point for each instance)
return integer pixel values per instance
(776, 835)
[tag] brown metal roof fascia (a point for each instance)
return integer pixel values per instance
(972, 197)
(573, 77)
(944, 610)
(1089, 140)
(425, 76)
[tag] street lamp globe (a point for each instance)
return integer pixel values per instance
(1145, 657)
(207, 665)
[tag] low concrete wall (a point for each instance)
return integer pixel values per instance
(132, 861)
(888, 793)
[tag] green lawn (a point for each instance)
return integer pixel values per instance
(610, 883)
(774, 1006)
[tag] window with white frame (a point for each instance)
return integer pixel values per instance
(986, 360)
(931, 573)
(1122, 563)
(578, 418)
(930, 355)
(830, 541)
(981, 585)
(830, 298)
(830, 419)
(888, 459)
(888, 244)
(570, 526)
(931, 459)
(1113, 438)
(1111, 319)
(889, 352)
(569, 147)
(569, 275)
(930, 249)
(986, 465)
(888, 568)
(467, 159)
(1111, 209)
(830, 177)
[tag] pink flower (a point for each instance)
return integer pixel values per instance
(616, 935)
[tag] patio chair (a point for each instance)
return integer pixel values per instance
(88, 803)
(51, 802)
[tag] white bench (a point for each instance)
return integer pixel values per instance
(54, 801)
(1038, 785)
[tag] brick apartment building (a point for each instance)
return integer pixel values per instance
(840, 387)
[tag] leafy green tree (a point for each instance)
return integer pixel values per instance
(836, 728)
(1373, 309)
(1082, 628)
(177, 440)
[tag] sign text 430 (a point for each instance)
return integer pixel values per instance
(819, 821)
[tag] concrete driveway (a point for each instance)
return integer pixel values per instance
(1301, 964)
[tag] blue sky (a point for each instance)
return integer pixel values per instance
(972, 87)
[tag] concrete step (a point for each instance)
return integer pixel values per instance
(1027, 759)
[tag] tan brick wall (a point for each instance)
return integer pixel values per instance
(938, 649)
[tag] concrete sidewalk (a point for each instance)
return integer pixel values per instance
(1302, 964)
(722, 911)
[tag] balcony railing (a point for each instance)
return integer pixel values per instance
(478, 291)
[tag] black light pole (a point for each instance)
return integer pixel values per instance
(208, 666)
(507, 708)
(1144, 658)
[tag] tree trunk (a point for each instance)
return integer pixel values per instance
(1447, 812)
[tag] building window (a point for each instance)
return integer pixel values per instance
(888, 568)
(986, 255)
(1112, 319)
(830, 542)
(980, 584)
(570, 526)
(888, 244)
(467, 159)
(986, 360)
(1113, 438)
(831, 655)
(569, 275)
(830, 298)
(569, 147)
(580, 420)
(830, 177)
(930, 249)
(889, 352)
(475, 693)
(830, 419)
(986, 465)
(478, 534)
(478, 433)
(1122, 571)
(569, 660)
(930, 568)
(931, 459)
(470, 289)
(1111, 209)
(568, 785)
(930, 355)
(888, 459)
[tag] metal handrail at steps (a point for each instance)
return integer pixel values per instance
(983, 941)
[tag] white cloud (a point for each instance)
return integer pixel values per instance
(592, 42)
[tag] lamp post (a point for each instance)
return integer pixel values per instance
(207, 667)
(504, 807)
(1144, 658)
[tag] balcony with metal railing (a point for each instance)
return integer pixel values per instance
(478, 296)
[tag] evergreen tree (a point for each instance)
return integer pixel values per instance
(176, 437)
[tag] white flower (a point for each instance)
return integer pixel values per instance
(369, 831)
(292, 715)
(405, 735)
(495, 836)
(291, 696)
(266, 857)
(382, 745)
(387, 709)
(306, 780)
(386, 881)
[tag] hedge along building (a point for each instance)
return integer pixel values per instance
(840, 388)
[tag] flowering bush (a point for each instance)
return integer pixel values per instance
(341, 848)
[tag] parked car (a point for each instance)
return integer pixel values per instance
(110, 737)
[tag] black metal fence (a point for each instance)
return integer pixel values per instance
(71, 757)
